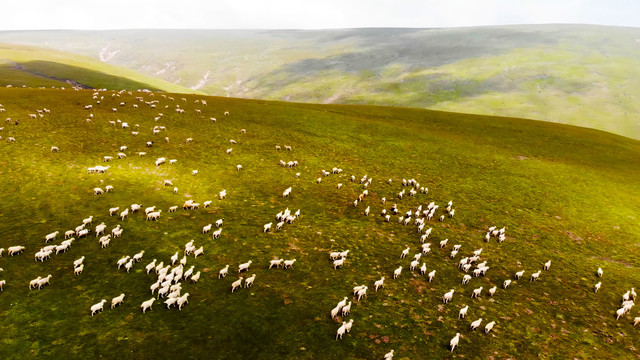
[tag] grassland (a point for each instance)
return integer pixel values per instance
(571, 74)
(37, 67)
(564, 193)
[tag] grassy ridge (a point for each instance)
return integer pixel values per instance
(570, 74)
(564, 193)
(29, 66)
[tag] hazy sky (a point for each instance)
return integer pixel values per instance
(304, 14)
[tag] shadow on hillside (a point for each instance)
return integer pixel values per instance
(78, 76)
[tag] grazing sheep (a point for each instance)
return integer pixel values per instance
(249, 281)
(476, 292)
(465, 279)
(14, 250)
(137, 257)
(443, 243)
(173, 208)
(150, 266)
(238, 167)
(397, 272)
(341, 330)
(535, 276)
(448, 296)
(195, 277)
(454, 342)
(207, 228)
(51, 236)
(431, 275)
(404, 253)
(147, 305)
(488, 327)
(636, 321)
(506, 284)
(474, 325)
(78, 269)
(236, 284)
(338, 263)
(492, 291)
(199, 251)
(547, 265)
(519, 274)
(463, 312)
(389, 355)
(98, 307)
(597, 287)
(216, 234)
(346, 309)
(98, 191)
(244, 266)
(223, 273)
(600, 272)
(620, 312)
(219, 222)
(288, 263)
(44, 281)
(275, 263)
(362, 292)
(117, 301)
(378, 284)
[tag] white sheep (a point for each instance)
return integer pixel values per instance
(378, 284)
(98, 191)
(223, 272)
(244, 266)
(98, 307)
(236, 284)
(448, 296)
(492, 291)
(535, 276)
(506, 284)
(219, 222)
(454, 342)
(77, 270)
(443, 243)
(207, 228)
(519, 274)
(33, 283)
(182, 300)
(465, 279)
(123, 260)
(275, 263)
(117, 300)
(195, 277)
(249, 281)
(335, 311)
(404, 253)
(620, 312)
(147, 305)
(341, 330)
(476, 292)
(44, 281)
(600, 272)
(78, 262)
(137, 257)
(338, 263)
(174, 258)
(547, 265)
(597, 287)
(362, 292)
(222, 194)
(288, 263)
(397, 272)
(51, 236)
(474, 325)
(150, 266)
(463, 312)
(238, 167)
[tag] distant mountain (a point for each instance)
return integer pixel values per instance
(574, 74)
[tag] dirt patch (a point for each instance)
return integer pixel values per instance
(627, 264)
(574, 237)
(418, 285)
(520, 157)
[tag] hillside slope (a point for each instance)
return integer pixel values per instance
(571, 74)
(566, 194)
(36, 67)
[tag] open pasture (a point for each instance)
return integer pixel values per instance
(562, 193)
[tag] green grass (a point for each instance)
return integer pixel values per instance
(564, 193)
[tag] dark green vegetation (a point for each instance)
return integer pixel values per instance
(571, 74)
(564, 193)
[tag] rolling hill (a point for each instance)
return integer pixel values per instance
(36, 67)
(563, 193)
(571, 74)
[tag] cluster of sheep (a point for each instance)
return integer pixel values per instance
(288, 164)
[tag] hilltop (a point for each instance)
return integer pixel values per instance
(572, 74)
(38, 67)
(563, 193)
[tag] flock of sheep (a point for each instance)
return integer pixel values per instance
(172, 276)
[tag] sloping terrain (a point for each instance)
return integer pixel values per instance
(571, 74)
(563, 193)
(37, 67)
